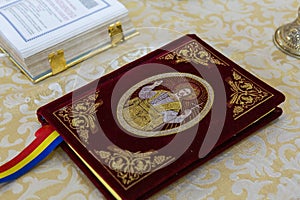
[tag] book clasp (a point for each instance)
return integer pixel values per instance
(116, 33)
(57, 61)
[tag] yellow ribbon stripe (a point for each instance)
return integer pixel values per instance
(32, 155)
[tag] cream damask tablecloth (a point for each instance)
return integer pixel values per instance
(264, 166)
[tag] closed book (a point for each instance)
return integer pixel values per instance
(148, 123)
(46, 37)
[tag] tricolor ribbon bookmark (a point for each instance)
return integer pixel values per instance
(47, 139)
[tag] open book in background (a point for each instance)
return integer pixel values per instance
(145, 125)
(45, 37)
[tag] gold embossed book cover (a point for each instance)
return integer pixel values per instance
(145, 125)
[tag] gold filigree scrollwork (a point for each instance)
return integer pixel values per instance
(81, 115)
(191, 52)
(131, 167)
(246, 95)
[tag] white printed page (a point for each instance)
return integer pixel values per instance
(4, 2)
(42, 23)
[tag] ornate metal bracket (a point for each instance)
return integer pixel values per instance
(116, 33)
(287, 37)
(57, 61)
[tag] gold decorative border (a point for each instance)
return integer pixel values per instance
(80, 116)
(246, 94)
(129, 168)
(194, 52)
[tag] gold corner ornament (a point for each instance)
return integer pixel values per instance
(192, 52)
(80, 116)
(116, 33)
(287, 37)
(57, 61)
(246, 94)
(127, 167)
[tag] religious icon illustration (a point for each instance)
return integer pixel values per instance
(165, 104)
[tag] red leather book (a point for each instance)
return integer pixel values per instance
(145, 125)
